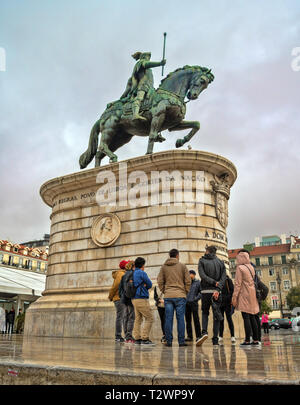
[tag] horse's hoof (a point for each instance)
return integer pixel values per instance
(179, 143)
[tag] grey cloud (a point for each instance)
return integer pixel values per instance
(66, 60)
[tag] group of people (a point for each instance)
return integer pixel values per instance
(178, 291)
(7, 321)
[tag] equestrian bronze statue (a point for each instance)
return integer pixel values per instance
(145, 111)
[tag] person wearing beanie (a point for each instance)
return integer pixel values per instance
(114, 296)
(192, 308)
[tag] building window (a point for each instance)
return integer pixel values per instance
(271, 272)
(232, 264)
(273, 285)
(298, 256)
(283, 259)
(258, 272)
(298, 269)
(285, 271)
(233, 274)
(275, 302)
(286, 284)
(1, 258)
(257, 261)
(270, 260)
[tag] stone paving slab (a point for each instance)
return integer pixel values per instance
(70, 361)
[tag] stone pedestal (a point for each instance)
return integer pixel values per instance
(87, 241)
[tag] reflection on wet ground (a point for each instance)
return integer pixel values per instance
(278, 358)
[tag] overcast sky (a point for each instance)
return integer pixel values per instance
(66, 59)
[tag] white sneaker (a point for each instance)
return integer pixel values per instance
(220, 339)
(233, 340)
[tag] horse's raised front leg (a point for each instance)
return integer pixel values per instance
(195, 125)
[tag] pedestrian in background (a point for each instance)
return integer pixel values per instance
(192, 308)
(160, 305)
(244, 296)
(11, 320)
(142, 309)
(2, 320)
(225, 307)
(6, 321)
(174, 282)
(265, 322)
(20, 319)
(212, 272)
(128, 313)
(119, 306)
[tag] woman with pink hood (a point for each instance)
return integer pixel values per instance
(244, 296)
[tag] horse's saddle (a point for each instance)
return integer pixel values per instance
(145, 105)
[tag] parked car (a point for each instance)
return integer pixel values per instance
(274, 325)
(284, 323)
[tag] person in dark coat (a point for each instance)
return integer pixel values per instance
(192, 309)
(128, 313)
(212, 272)
(11, 320)
(225, 307)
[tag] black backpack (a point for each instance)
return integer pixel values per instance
(127, 287)
(261, 289)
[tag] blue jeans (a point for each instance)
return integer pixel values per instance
(171, 305)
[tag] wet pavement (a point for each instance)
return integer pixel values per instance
(47, 360)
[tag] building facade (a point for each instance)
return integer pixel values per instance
(42, 244)
(23, 257)
(276, 263)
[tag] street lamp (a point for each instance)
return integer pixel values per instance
(278, 279)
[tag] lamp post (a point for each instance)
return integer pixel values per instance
(278, 279)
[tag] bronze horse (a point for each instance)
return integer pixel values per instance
(163, 109)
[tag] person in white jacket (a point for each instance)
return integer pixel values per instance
(2, 320)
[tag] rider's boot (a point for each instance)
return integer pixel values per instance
(136, 110)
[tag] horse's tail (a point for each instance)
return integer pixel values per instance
(89, 154)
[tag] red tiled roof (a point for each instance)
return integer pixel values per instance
(262, 250)
(22, 247)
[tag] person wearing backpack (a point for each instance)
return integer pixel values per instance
(128, 313)
(225, 307)
(244, 296)
(114, 296)
(140, 301)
